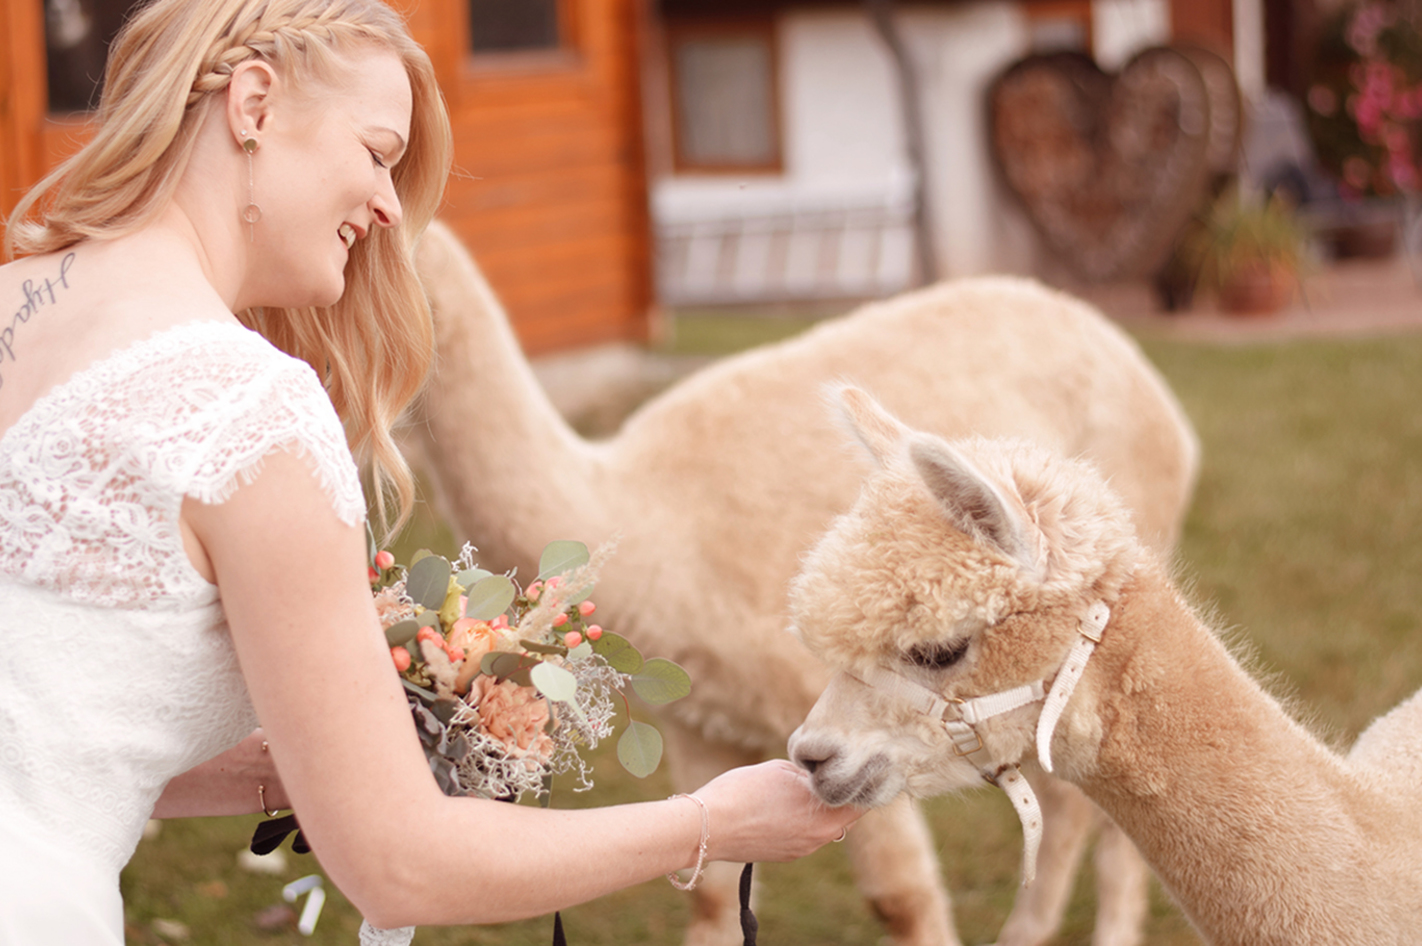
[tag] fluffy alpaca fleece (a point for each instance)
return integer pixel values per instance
(967, 567)
(718, 486)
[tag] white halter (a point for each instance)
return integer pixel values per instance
(960, 718)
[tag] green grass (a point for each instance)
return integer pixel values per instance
(1302, 538)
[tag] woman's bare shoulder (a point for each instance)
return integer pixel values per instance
(61, 312)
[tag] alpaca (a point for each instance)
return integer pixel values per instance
(718, 485)
(968, 570)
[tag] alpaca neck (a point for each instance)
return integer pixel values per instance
(511, 473)
(1248, 820)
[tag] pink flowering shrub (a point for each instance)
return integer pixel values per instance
(1365, 101)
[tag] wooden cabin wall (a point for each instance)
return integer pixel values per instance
(548, 191)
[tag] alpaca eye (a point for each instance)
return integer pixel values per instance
(938, 656)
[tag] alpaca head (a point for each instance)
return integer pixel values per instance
(963, 570)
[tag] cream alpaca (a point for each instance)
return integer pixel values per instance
(967, 569)
(718, 486)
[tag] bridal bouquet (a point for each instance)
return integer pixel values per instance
(508, 684)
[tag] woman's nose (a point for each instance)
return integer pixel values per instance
(385, 206)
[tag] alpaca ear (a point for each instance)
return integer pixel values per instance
(878, 430)
(972, 502)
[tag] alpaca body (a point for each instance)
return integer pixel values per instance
(717, 487)
(1262, 834)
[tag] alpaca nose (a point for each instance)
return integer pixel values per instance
(810, 756)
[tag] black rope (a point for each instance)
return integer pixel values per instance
(749, 925)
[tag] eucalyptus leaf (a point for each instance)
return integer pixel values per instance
(428, 581)
(419, 691)
(661, 681)
(419, 554)
(444, 710)
(618, 652)
(534, 647)
(584, 649)
(561, 557)
(402, 632)
(499, 663)
(470, 576)
(640, 749)
(429, 618)
(555, 683)
(489, 598)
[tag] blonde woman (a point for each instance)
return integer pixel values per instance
(208, 307)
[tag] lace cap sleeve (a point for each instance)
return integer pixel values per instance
(238, 403)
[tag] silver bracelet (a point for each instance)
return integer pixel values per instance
(700, 852)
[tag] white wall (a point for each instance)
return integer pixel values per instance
(843, 133)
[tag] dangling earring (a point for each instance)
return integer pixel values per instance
(251, 213)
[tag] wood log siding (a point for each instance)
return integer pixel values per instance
(549, 190)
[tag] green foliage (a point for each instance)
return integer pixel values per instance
(1244, 233)
(640, 749)
(661, 681)
(428, 581)
(561, 557)
(490, 597)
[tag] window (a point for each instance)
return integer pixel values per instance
(77, 34)
(723, 89)
(497, 26)
(1057, 25)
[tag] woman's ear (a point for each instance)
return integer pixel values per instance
(249, 98)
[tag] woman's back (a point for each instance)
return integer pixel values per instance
(130, 677)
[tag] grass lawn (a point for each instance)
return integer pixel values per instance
(1301, 539)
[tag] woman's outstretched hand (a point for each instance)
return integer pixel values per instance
(766, 812)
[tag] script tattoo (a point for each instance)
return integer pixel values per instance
(37, 296)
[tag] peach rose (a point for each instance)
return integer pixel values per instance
(514, 715)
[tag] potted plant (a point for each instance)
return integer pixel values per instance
(1250, 252)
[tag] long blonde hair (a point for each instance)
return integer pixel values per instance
(373, 347)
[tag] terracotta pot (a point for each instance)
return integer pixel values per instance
(1261, 290)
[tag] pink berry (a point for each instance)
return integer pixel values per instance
(586, 608)
(533, 591)
(455, 654)
(401, 656)
(384, 559)
(594, 632)
(572, 639)
(428, 634)
(560, 620)
(373, 575)
(555, 581)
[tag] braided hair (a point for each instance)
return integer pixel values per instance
(374, 346)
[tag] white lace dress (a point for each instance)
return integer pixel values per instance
(117, 671)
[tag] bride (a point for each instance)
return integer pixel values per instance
(208, 307)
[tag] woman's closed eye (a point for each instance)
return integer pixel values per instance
(937, 655)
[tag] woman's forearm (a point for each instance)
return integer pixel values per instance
(238, 782)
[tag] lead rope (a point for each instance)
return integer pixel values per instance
(749, 925)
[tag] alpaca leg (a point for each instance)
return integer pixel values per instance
(715, 904)
(1067, 817)
(895, 867)
(1122, 890)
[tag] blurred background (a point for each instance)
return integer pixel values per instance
(650, 185)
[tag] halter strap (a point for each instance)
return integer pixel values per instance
(960, 718)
